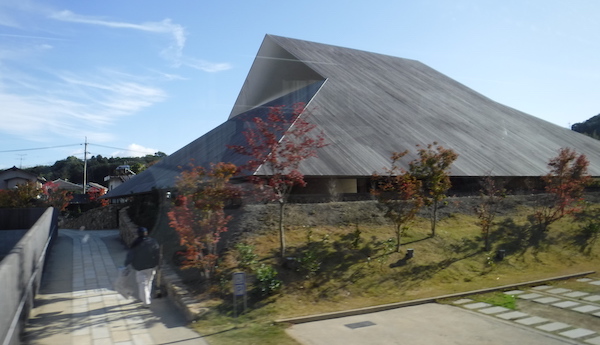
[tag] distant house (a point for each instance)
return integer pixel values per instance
(11, 178)
(367, 106)
(66, 185)
(122, 173)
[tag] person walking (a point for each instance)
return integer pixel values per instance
(144, 257)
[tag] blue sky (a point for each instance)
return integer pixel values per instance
(150, 75)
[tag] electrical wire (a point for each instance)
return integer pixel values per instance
(39, 148)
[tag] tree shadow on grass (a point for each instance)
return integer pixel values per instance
(516, 239)
(586, 237)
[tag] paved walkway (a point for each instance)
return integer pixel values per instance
(77, 304)
(473, 323)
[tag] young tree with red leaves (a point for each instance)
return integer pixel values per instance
(198, 215)
(565, 184)
(56, 197)
(276, 146)
(94, 194)
(432, 169)
(399, 193)
(491, 195)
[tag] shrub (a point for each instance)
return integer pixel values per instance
(266, 280)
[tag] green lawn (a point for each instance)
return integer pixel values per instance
(354, 266)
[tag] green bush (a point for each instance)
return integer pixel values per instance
(246, 257)
(266, 280)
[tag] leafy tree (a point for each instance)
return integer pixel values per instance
(590, 127)
(432, 169)
(198, 215)
(94, 194)
(399, 193)
(491, 196)
(56, 197)
(277, 145)
(23, 196)
(564, 186)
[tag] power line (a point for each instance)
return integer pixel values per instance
(117, 148)
(58, 146)
(39, 148)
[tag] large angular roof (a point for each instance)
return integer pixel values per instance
(369, 105)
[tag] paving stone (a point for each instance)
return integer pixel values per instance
(541, 287)
(547, 300)
(531, 320)
(530, 296)
(577, 333)
(593, 341)
(592, 298)
(576, 294)
(512, 315)
(476, 305)
(558, 291)
(514, 292)
(553, 326)
(462, 301)
(597, 282)
(566, 304)
(596, 314)
(493, 310)
(584, 280)
(586, 308)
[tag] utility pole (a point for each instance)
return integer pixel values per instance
(21, 157)
(85, 166)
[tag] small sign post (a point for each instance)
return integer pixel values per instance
(239, 290)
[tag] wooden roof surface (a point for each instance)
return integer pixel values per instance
(369, 105)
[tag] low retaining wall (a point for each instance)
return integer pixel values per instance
(21, 271)
(127, 228)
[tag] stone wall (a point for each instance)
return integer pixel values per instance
(127, 228)
(101, 218)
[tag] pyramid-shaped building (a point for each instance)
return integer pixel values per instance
(367, 106)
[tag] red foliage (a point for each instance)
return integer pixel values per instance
(276, 146)
(56, 197)
(399, 192)
(94, 194)
(198, 214)
(432, 169)
(565, 184)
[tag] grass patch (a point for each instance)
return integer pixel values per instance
(355, 266)
(499, 299)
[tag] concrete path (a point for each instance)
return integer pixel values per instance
(77, 304)
(420, 325)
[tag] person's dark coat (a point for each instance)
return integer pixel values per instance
(144, 254)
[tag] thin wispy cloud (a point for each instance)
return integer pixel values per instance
(166, 26)
(94, 101)
(176, 32)
(135, 150)
(205, 66)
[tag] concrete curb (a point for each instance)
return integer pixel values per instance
(378, 308)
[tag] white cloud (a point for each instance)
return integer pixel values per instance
(177, 33)
(205, 66)
(166, 26)
(71, 103)
(135, 150)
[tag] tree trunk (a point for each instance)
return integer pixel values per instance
(434, 217)
(281, 230)
(398, 238)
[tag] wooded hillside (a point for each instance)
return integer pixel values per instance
(590, 127)
(98, 167)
